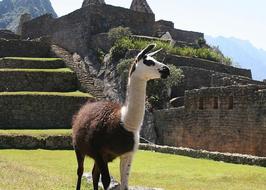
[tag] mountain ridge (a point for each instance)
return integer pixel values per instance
(11, 10)
(243, 52)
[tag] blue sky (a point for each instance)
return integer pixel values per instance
(243, 19)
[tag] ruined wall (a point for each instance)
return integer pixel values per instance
(74, 31)
(206, 64)
(226, 119)
(162, 26)
(38, 111)
(195, 78)
(7, 34)
(45, 81)
(23, 48)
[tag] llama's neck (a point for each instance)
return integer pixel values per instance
(134, 108)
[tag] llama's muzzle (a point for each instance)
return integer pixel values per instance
(164, 71)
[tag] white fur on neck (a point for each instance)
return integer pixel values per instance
(132, 112)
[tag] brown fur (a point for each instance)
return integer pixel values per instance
(97, 128)
(99, 133)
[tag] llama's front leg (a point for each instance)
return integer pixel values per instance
(125, 165)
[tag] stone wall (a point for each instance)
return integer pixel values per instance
(206, 64)
(64, 142)
(38, 111)
(25, 80)
(7, 34)
(225, 119)
(74, 31)
(23, 48)
(162, 26)
(50, 142)
(196, 77)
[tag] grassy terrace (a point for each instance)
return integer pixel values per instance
(60, 70)
(36, 133)
(42, 170)
(203, 53)
(30, 59)
(26, 93)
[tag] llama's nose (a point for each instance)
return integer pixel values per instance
(164, 71)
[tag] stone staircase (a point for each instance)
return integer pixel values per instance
(76, 63)
(38, 93)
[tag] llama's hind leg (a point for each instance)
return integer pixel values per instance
(103, 166)
(80, 160)
(95, 176)
(125, 165)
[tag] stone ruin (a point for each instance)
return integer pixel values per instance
(23, 18)
(141, 6)
(210, 118)
(77, 30)
(92, 2)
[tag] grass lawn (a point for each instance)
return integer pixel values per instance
(31, 59)
(56, 170)
(38, 133)
(60, 70)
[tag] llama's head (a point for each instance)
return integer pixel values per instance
(146, 67)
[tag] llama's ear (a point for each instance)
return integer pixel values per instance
(145, 51)
(153, 53)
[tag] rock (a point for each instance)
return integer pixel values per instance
(92, 2)
(141, 6)
(11, 10)
(115, 185)
(177, 102)
(23, 18)
(168, 36)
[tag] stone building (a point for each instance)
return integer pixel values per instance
(23, 18)
(141, 6)
(225, 119)
(76, 30)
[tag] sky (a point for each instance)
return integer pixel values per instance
(243, 19)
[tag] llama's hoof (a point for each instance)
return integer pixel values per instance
(114, 185)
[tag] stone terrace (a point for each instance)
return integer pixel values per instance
(36, 93)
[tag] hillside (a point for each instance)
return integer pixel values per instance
(243, 53)
(11, 10)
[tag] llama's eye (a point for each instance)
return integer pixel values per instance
(148, 62)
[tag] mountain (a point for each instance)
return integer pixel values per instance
(243, 53)
(11, 10)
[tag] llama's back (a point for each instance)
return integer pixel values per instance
(90, 121)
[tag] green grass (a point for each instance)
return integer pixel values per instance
(204, 53)
(43, 132)
(42, 169)
(28, 93)
(60, 70)
(31, 59)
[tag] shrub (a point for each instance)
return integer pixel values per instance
(100, 55)
(157, 90)
(124, 65)
(201, 42)
(119, 32)
(118, 51)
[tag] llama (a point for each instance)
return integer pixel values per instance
(106, 130)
